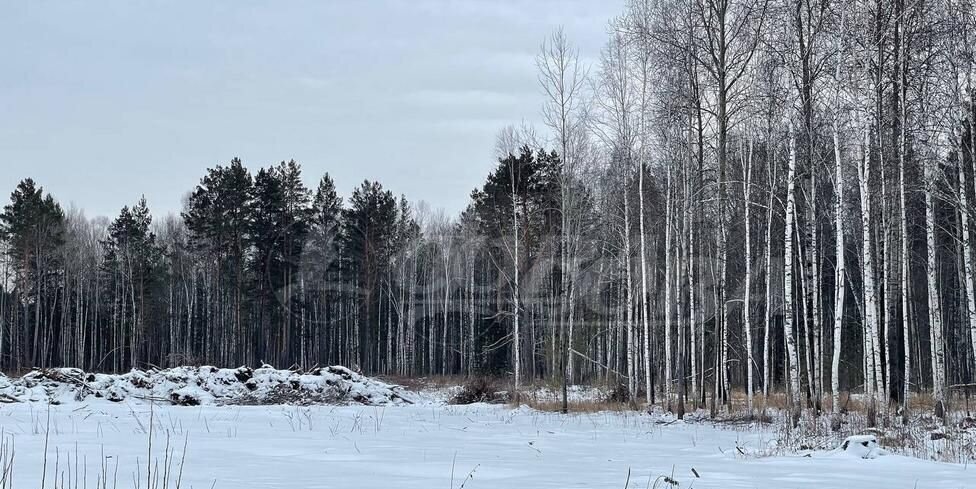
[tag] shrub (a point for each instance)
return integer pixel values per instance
(478, 389)
(619, 393)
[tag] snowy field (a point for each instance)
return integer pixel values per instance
(423, 445)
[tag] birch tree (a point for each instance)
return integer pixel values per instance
(562, 78)
(793, 360)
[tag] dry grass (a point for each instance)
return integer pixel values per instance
(855, 403)
(589, 406)
(920, 435)
(422, 383)
(920, 402)
(547, 396)
(917, 433)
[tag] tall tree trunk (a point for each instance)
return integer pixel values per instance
(934, 299)
(747, 300)
(840, 279)
(516, 303)
(966, 247)
(668, 245)
(872, 350)
(899, 94)
(643, 300)
(631, 346)
(768, 250)
(793, 360)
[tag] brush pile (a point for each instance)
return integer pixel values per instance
(191, 386)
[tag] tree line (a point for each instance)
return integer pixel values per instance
(766, 195)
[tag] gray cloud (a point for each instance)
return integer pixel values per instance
(102, 102)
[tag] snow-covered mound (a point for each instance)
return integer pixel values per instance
(863, 446)
(203, 385)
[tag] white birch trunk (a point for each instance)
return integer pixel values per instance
(692, 309)
(906, 326)
(793, 360)
(767, 368)
(840, 285)
(668, 354)
(972, 153)
(690, 272)
(473, 355)
(747, 300)
(818, 363)
(886, 300)
(643, 299)
(516, 337)
(807, 317)
(967, 257)
(934, 299)
(691, 263)
(872, 376)
(631, 347)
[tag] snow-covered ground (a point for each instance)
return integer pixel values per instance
(423, 445)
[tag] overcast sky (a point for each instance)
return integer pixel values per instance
(101, 102)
